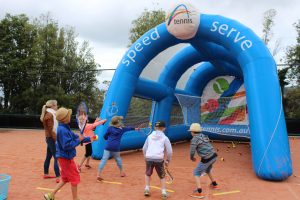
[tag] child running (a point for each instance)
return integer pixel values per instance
(88, 132)
(65, 152)
(154, 149)
(113, 136)
(200, 144)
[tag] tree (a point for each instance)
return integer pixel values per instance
(17, 49)
(292, 74)
(268, 24)
(146, 21)
(293, 103)
(293, 58)
(40, 61)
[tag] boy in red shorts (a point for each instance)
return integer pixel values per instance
(65, 152)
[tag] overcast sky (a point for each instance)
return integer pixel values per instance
(106, 23)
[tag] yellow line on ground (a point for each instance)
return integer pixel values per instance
(46, 189)
(111, 182)
(155, 187)
(230, 192)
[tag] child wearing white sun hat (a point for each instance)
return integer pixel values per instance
(200, 144)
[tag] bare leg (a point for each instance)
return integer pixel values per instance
(82, 161)
(58, 187)
(211, 177)
(147, 187)
(74, 192)
(198, 183)
(88, 160)
(163, 183)
(147, 180)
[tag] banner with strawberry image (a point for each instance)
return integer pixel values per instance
(224, 102)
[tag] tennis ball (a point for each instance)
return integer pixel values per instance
(95, 137)
(220, 85)
(233, 145)
(222, 159)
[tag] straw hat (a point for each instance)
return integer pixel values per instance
(116, 121)
(63, 115)
(195, 127)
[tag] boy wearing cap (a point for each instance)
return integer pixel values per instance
(65, 152)
(156, 145)
(200, 144)
(113, 136)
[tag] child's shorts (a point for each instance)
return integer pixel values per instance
(69, 171)
(88, 150)
(159, 167)
(204, 167)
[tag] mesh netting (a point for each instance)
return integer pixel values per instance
(223, 115)
(139, 112)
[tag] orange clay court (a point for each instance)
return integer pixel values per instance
(23, 152)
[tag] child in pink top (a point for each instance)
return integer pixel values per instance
(88, 132)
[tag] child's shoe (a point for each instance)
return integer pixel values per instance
(214, 187)
(123, 174)
(147, 192)
(198, 195)
(88, 166)
(99, 178)
(49, 196)
(57, 180)
(164, 195)
(46, 176)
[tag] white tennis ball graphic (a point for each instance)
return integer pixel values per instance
(221, 85)
(183, 21)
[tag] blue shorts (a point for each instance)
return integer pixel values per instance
(204, 167)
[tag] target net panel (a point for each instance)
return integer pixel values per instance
(222, 115)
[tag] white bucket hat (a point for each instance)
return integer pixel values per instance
(195, 127)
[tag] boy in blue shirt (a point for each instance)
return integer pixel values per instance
(200, 144)
(113, 136)
(66, 142)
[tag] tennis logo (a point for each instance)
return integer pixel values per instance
(183, 21)
(221, 85)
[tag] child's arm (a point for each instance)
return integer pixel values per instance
(85, 139)
(194, 143)
(98, 122)
(145, 147)
(169, 150)
(50, 124)
(128, 128)
(69, 140)
(107, 133)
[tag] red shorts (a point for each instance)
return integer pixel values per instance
(69, 171)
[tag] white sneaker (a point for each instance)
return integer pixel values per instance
(147, 192)
(164, 195)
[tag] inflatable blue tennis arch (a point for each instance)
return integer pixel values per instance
(223, 47)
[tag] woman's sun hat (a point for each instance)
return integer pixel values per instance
(195, 127)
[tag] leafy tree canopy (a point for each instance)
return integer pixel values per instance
(41, 61)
